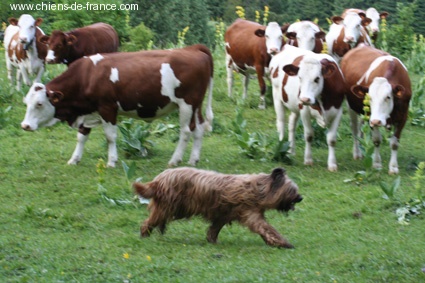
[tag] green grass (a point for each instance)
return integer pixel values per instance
(56, 227)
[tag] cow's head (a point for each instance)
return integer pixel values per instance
(40, 110)
(382, 99)
(311, 73)
(58, 43)
(375, 16)
(353, 24)
(304, 34)
(274, 37)
(27, 28)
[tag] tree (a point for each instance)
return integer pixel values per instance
(168, 17)
(71, 19)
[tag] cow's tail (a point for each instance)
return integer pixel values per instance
(209, 115)
(144, 190)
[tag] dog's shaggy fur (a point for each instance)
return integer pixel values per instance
(219, 198)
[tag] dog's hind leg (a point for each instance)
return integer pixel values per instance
(269, 234)
(214, 230)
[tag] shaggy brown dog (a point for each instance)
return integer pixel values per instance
(219, 198)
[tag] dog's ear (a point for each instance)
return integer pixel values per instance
(278, 178)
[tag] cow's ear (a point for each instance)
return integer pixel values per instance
(38, 22)
(366, 21)
(260, 32)
(362, 15)
(359, 91)
(54, 96)
(13, 21)
(285, 27)
(291, 35)
(384, 15)
(398, 91)
(337, 19)
(328, 68)
(320, 35)
(44, 39)
(291, 69)
(71, 39)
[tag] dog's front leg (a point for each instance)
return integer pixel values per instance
(269, 234)
(213, 231)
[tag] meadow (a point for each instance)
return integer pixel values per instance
(62, 223)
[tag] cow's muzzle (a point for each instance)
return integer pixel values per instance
(26, 127)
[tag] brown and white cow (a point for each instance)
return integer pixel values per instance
(23, 51)
(386, 80)
(374, 15)
(309, 85)
(146, 85)
(66, 47)
(306, 35)
(249, 47)
(346, 33)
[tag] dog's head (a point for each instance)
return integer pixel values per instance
(286, 189)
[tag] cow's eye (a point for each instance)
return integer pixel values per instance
(316, 80)
(39, 105)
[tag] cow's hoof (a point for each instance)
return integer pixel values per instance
(333, 168)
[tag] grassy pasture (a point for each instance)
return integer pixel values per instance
(57, 227)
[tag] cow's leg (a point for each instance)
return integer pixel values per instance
(18, 79)
(245, 85)
(198, 134)
(355, 130)
(393, 166)
(377, 139)
(308, 135)
(292, 127)
(257, 224)
(111, 137)
(331, 137)
(262, 83)
(39, 74)
(229, 70)
(82, 137)
(185, 115)
(279, 108)
(25, 75)
(9, 68)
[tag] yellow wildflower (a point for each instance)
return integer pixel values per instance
(126, 255)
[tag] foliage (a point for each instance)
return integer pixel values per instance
(4, 116)
(179, 14)
(101, 189)
(135, 138)
(64, 20)
(257, 145)
(140, 38)
(367, 148)
(401, 32)
(390, 190)
(415, 205)
(416, 110)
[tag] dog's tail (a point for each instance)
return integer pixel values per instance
(144, 190)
